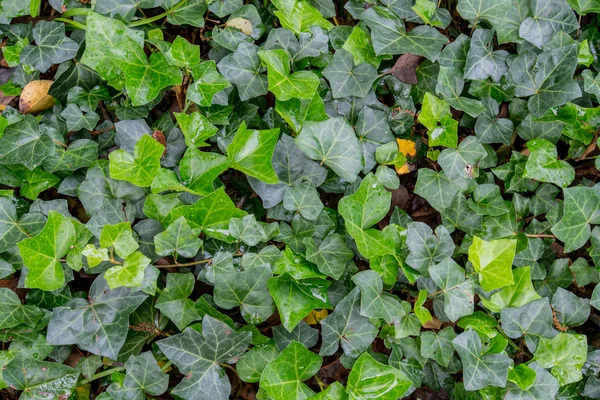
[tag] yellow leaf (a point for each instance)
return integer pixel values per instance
(409, 149)
(315, 316)
(35, 97)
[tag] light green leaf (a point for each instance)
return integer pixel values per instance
(286, 86)
(196, 128)
(518, 294)
(543, 164)
(370, 378)
(42, 253)
(565, 354)
(251, 152)
(120, 238)
(141, 168)
(493, 261)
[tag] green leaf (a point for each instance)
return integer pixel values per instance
(545, 77)
(248, 290)
(330, 256)
(543, 385)
(178, 238)
(252, 363)
(98, 326)
(24, 143)
(456, 293)
(52, 46)
(480, 369)
(543, 164)
(348, 328)
(534, 318)
(437, 188)
(198, 355)
(565, 354)
(295, 299)
(493, 261)
(374, 302)
(286, 86)
(42, 253)
(299, 15)
(251, 152)
(546, 19)
(347, 79)
(370, 378)
(333, 143)
(242, 68)
(282, 378)
(581, 207)
(39, 379)
(141, 168)
(14, 313)
(207, 83)
(459, 163)
(482, 61)
(438, 346)
(503, 15)
(303, 199)
(359, 45)
(211, 214)
(570, 309)
(421, 312)
(120, 238)
(518, 294)
(130, 274)
(248, 230)
(143, 376)
(522, 375)
(174, 300)
(390, 37)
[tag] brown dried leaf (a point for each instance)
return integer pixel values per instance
(35, 97)
(242, 24)
(405, 68)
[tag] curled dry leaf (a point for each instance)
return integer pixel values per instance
(242, 24)
(35, 97)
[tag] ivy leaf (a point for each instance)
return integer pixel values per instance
(299, 15)
(98, 326)
(52, 46)
(547, 19)
(143, 376)
(545, 77)
(456, 293)
(207, 83)
(304, 199)
(543, 385)
(427, 249)
(196, 128)
(458, 163)
(480, 369)
(248, 290)
(174, 303)
(120, 238)
(42, 253)
(283, 376)
(13, 230)
(346, 78)
(302, 333)
(252, 363)
(370, 378)
(493, 261)
(282, 84)
(333, 143)
(178, 238)
(295, 299)
(570, 309)
(581, 207)
(543, 164)
(374, 302)
(518, 294)
(14, 313)
(242, 68)
(347, 327)
(197, 355)
(437, 188)
(503, 15)
(565, 354)
(248, 230)
(438, 346)
(534, 318)
(330, 256)
(390, 36)
(251, 152)
(39, 379)
(141, 168)
(24, 143)
(211, 214)
(482, 61)
(130, 274)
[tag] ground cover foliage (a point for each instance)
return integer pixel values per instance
(299, 199)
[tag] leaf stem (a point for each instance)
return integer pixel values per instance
(540, 235)
(76, 11)
(74, 24)
(150, 20)
(166, 365)
(102, 374)
(510, 342)
(192, 263)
